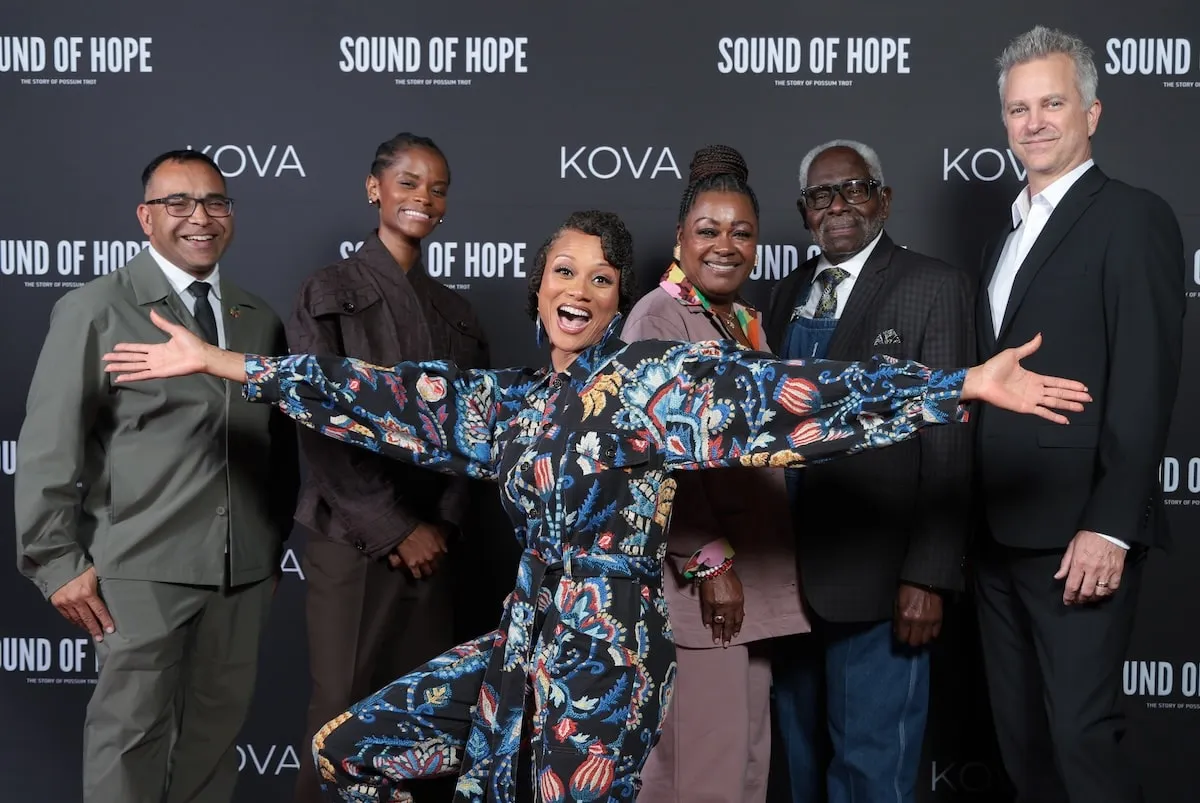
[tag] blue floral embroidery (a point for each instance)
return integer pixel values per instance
(584, 461)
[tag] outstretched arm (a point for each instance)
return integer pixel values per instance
(430, 414)
(714, 405)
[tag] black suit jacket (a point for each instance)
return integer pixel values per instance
(1104, 284)
(897, 514)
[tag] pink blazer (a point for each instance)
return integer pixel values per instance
(748, 506)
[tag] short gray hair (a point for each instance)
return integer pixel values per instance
(1042, 42)
(868, 154)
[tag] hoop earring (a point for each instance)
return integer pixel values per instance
(676, 252)
(539, 331)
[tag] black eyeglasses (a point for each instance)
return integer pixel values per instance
(856, 191)
(183, 206)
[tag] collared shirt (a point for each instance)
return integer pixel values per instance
(1029, 217)
(853, 266)
(180, 280)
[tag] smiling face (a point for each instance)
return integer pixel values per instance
(411, 193)
(194, 243)
(578, 297)
(717, 243)
(843, 229)
(1049, 128)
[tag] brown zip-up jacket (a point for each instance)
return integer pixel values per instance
(366, 306)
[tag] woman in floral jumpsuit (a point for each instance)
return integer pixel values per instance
(579, 671)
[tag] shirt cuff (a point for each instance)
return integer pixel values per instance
(55, 574)
(925, 587)
(1119, 543)
(261, 379)
(942, 402)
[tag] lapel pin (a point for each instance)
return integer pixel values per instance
(234, 312)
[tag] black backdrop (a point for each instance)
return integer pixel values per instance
(542, 110)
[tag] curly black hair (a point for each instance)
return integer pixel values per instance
(615, 241)
(387, 152)
(716, 168)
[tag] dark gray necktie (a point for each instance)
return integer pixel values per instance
(204, 311)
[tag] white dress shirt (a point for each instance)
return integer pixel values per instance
(1029, 217)
(853, 266)
(180, 280)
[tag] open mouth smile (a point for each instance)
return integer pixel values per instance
(572, 319)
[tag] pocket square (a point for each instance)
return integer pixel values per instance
(889, 338)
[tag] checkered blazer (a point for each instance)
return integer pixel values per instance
(901, 514)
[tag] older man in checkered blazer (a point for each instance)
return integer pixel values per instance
(880, 538)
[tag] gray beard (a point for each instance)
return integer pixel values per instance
(874, 226)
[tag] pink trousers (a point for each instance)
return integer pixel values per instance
(716, 739)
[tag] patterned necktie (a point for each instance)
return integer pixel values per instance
(829, 279)
(204, 312)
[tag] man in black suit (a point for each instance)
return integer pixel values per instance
(880, 538)
(1068, 513)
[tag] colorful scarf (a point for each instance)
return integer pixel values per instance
(676, 284)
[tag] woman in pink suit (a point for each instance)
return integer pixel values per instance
(731, 581)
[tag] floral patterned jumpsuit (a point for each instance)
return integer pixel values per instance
(580, 669)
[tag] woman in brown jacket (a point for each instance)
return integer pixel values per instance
(731, 583)
(380, 597)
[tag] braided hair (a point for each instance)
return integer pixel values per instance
(716, 168)
(615, 241)
(386, 153)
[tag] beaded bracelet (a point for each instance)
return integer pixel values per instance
(707, 558)
(715, 572)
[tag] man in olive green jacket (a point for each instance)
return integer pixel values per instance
(153, 515)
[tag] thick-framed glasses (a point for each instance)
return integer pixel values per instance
(184, 206)
(856, 191)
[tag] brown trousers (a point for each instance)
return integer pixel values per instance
(368, 624)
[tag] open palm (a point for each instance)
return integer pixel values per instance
(1004, 383)
(184, 353)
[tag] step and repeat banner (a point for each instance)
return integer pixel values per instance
(543, 109)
